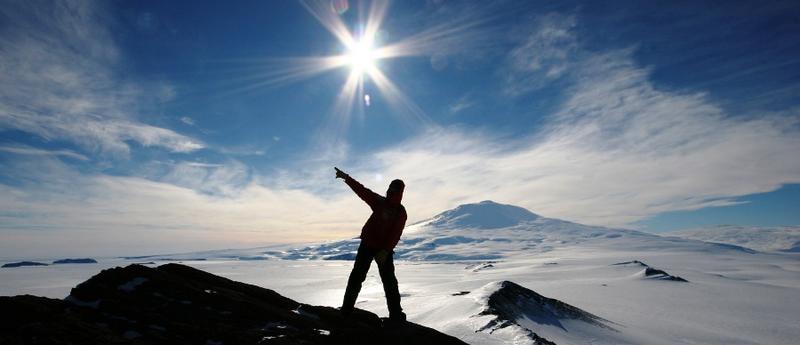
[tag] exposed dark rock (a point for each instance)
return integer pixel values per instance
(480, 266)
(655, 273)
(652, 272)
(538, 340)
(252, 258)
(38, 320)
(343, 256)
(728, 246)
(24, 263)
(176, 304)
(75, 261)
(511, 302)
(795, 248)
(634, 262)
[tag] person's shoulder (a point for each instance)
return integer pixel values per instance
(395, 207)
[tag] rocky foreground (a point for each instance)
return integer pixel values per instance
(177, 304)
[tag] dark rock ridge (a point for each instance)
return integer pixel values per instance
(75, 261)
(24, 263)
(511, 302)
(477, 267)
(652, 272)
(176, 304)
(483, 215)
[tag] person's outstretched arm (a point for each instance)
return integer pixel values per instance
(370, 197)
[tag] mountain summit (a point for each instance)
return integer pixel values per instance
(483, 215)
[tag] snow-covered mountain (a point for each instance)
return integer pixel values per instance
(767, 239)
(483, 215)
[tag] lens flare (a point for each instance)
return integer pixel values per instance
(340, 6)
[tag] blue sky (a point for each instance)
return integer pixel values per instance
(135, 127)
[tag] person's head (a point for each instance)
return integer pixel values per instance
(395, 191)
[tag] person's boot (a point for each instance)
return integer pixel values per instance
(395, 319)
(345, 312)
(398, 316)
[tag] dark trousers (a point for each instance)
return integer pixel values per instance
(385, 268)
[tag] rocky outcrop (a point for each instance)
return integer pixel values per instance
(177, 304)
(509, 302)
(652, 272)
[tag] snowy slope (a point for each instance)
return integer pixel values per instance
(483, 215)
(780, 238)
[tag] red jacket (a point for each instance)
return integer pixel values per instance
(384, 227)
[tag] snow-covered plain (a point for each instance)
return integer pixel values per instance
(451, 265)
(777, 238)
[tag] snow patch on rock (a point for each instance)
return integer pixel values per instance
(132, 284)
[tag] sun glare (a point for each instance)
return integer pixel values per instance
(361, 57)
(361, 49)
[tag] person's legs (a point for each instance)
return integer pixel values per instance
(357, 276)
(389, 280)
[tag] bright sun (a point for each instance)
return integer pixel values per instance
(361, 57)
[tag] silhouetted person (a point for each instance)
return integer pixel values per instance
(379, 236)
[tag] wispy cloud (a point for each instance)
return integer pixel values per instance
(544, 55)
(187, 120)
(461, 104)
(58, 64)
(27, 150)
(219, 179)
